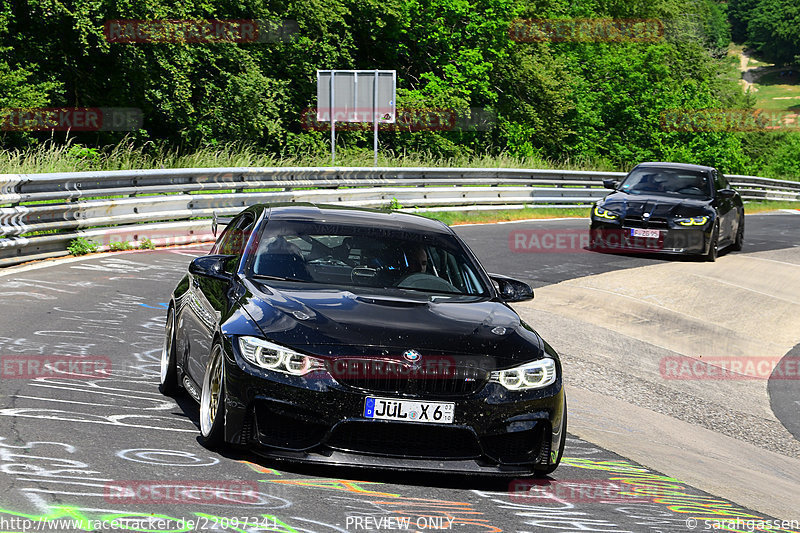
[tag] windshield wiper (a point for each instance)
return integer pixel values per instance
(428, 290)
(278, 278)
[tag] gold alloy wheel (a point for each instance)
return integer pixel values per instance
(166, 349)
(212, 389)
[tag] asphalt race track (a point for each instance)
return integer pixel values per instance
(772, 231)
(68, 446)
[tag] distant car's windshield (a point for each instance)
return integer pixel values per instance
(668, 181)
(347, 255)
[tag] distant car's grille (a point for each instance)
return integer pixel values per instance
(405, 440)
(392, 376)
(635, 221)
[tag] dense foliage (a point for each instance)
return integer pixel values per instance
(771, 27)
(576, 101)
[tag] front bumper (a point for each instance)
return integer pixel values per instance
(319, 420)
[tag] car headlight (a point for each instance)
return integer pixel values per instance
(692, 221)
(533, 375)
(601, 212)
(277, 358)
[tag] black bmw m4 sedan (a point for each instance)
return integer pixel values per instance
(363, 338)
(669, 208)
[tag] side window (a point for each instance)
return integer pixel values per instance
(235, 236)
(720, 182)
(241, 233)
(224, 238)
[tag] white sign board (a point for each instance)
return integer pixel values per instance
(356, 95)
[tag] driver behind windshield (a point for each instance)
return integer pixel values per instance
(343, 255)
(417, 259)
(666, 182)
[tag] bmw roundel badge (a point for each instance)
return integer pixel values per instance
(412, 356)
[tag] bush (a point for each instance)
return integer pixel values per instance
(146, 244)
(115, 246)
(82, 246)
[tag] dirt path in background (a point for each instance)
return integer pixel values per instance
(751, 74)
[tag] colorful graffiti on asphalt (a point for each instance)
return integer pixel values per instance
(670, 492)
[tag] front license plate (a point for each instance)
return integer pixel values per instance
(648, 233)
(409, 411)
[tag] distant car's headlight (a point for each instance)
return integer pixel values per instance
(602, 212)
(277, 358)
(533, 375)
(692, 221)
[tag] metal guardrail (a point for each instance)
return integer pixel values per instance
(42, 213)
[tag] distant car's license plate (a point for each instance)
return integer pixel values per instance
(647, 233)
(409, 411)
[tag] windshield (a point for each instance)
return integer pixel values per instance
(668, 181)
(345, 255)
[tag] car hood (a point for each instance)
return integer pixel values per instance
(659, 206)
(335, 322)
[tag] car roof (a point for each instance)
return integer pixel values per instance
(681, 166)
(334, 214)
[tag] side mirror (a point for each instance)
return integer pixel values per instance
(610, 184)
(726, 194)
(512, 290)
(211, 266)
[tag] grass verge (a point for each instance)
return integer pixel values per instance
(71, 157)
(454, 218)
(763, 207)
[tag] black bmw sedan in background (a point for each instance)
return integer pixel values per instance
(362, 338)
(669, 208)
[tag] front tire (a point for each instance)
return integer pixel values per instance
(212, 400)
(739, 242)
(711, 255)
(169, 370)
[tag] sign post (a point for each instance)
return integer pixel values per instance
(333, 119)
(356, 96)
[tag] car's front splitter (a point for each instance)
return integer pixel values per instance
(337, 458)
